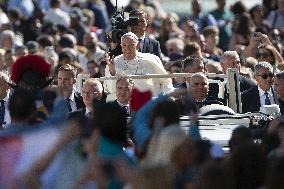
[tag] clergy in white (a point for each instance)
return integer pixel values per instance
(132, 62)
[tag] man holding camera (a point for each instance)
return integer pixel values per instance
(146, 45)
(132, 62)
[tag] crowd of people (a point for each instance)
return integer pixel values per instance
(126, 133)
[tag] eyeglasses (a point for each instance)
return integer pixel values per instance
(265, 76)
(90, 93)
(263, 54)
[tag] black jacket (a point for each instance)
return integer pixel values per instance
(281, 105)
(246, 83)
(151, 46)
(187, 104)
(251, 100)
(115, 103)
(79, 101)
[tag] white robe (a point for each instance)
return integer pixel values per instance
(143, 63)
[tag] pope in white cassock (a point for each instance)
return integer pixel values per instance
(132, 62)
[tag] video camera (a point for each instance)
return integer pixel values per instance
(120, 25)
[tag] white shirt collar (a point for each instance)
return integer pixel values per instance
(7, 96)
(143, 37)
(87, 111)
(72, 96)
(261, 92)
(121, 105)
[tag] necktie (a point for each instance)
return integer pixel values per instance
(89, 114)
(267, 100)
(140, 48)
(126, 109)
(69, 105)
(2, 112)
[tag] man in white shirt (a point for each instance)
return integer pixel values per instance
(56, 16)
(132, 62)
(263, 93)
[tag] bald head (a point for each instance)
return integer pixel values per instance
(199, 86)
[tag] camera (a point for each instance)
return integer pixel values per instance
(255, 34)
(120, 25)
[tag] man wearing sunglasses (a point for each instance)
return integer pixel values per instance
(263, 93)
(279, 88)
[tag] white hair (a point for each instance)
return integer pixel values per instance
(232, 54)
(130, 35)
(8, 33)
(199, 74)
(177, 42)
(260, 65)
(96, 83)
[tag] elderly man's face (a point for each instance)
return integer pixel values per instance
(129, 47)
(279, 87)
(199, 87)
(264, 78)
(90, 92)
(230, 62)
(123, 91)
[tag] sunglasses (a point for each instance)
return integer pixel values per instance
(263, 54)
(265, 76)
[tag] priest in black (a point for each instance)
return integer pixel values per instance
(123, 93)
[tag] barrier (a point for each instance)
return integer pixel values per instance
(231, 80)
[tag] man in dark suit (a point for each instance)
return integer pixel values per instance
(279, 88)
(123, 93)
(262, 94)
(231, 59)
(147, 45)
(66, 79)
(92, 93)
(197, 94)
(92, 90)
(194, 64)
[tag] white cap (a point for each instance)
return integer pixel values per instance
(131, 35)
